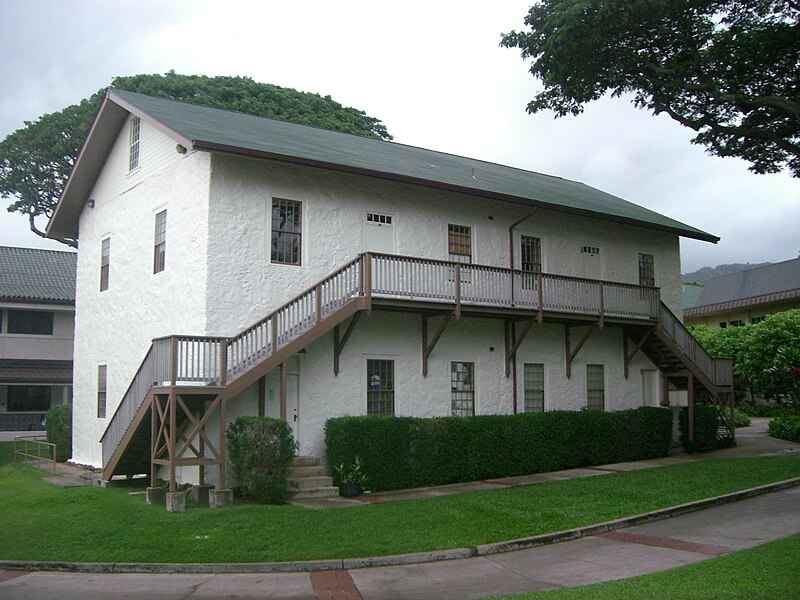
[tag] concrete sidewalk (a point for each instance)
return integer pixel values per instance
(618, 554)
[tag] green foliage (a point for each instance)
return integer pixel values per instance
(767, 410)
(59, 430)
(786, 427)
(260, 451)
(36, 161)
(766, 356)
(741, 420)
(406, 452)
(706, 423)
(351, 473)
(726, 69)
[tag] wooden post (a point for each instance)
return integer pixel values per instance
(424, 344)
(283, 390)
(173, 361)
(539, 282)
(222, 442)
(458, 290)
(690, 393)
(153, 440)
(202, 449)
(367, 270)
(172, 433)
(262, 396)
(602, 306)
(223, 363)
(664, 390)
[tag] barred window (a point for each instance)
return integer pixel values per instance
(286, 231)
(380, 387)
(459, 243)
(160, 242)
(534, 387)
(133, 143)
(101, 391)
(531, 254)
(462, 389)
(595, 387)
(105, 259)
(30, 322)
(647, 273)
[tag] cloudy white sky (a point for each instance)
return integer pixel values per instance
(431, 71)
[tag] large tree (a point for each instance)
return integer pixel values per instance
(36, 161)
(728, 69)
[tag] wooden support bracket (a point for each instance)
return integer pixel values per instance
(629, 357)
(571, 354)
(513, 345)
(426, 347)
(340, 341)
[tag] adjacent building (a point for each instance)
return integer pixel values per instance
(37, 322)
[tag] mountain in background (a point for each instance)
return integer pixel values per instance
(703, 274)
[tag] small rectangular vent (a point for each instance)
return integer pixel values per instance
(590, 250)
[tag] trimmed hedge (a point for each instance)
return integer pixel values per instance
(58, 424)
(786, 427)
(407, 452)
(260, 451)
(706, 424)
(767, 410)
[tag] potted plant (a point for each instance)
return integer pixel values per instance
(351, 478)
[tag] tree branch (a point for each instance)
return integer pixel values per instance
(67, 241)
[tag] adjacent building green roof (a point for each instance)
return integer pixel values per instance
(202, 128)
(33, 275)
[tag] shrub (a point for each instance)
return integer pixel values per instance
(403, 452)
(786, 427)
(741, 420)
(706, 425)
(59, 430)
(767, 410)
(260, 451)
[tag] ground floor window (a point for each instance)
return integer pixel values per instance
(462, 389)
(380, 387)
(28, 398)
(595, 387)
(534, 387)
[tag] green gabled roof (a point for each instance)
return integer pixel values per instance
(33, 275)
(202, 128)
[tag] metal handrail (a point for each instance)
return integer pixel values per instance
(38, 446)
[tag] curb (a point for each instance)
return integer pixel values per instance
(399, 559)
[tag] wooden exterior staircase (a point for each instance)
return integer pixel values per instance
(183, 380)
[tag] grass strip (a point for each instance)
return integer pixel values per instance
(764, 572)
(44, 522)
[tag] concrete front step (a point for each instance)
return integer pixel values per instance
(308, 483)
(305, 461)
(320, 492)
(298, 472)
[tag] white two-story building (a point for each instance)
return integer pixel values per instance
(235, 265)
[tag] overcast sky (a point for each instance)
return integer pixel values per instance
(431, 71)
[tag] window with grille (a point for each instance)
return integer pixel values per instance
(101, 391)
(534, 387)
(134, 143)
(595, 387)
(105, 258)
(647, 271)
(531, 255)
(379, 219)
(459, 243)
(380, 387)
(462, 389)
(160, 242)
(286, 231)
(28, 398)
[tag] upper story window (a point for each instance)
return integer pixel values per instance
(647, 270)
(105, 259)
(755, 320)
(380, 387)
(531, 254)
(286, 231)
(134, 139)
(160, 242)
(737, 323)
(30, 322)
(459, 243)
(379, 219)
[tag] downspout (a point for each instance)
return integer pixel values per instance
(513, 324)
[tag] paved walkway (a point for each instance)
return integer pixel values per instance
(634, 551)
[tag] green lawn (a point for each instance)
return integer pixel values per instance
(764, 572)
(45, 522)
(6, 452)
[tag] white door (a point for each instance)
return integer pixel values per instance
(293, 397)
(592, 262)
(649, 391)
(379, 233)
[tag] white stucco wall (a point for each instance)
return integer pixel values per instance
(115, 327)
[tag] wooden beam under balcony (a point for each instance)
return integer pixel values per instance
(427, 348)
(512, 345)
(572, 353)
(339, 342)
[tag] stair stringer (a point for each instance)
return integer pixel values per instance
(142, 415)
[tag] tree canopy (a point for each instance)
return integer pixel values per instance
(35, 161)
(727, 69)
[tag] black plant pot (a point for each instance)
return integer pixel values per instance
(349, 490)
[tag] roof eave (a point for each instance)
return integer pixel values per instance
(252, 153)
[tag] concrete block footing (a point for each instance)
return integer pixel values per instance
(176, 502)
(200, 494)
(220, 498)
(156, 495)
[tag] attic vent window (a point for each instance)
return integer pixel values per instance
(590, 250)
(133, 143)
(379, 219)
